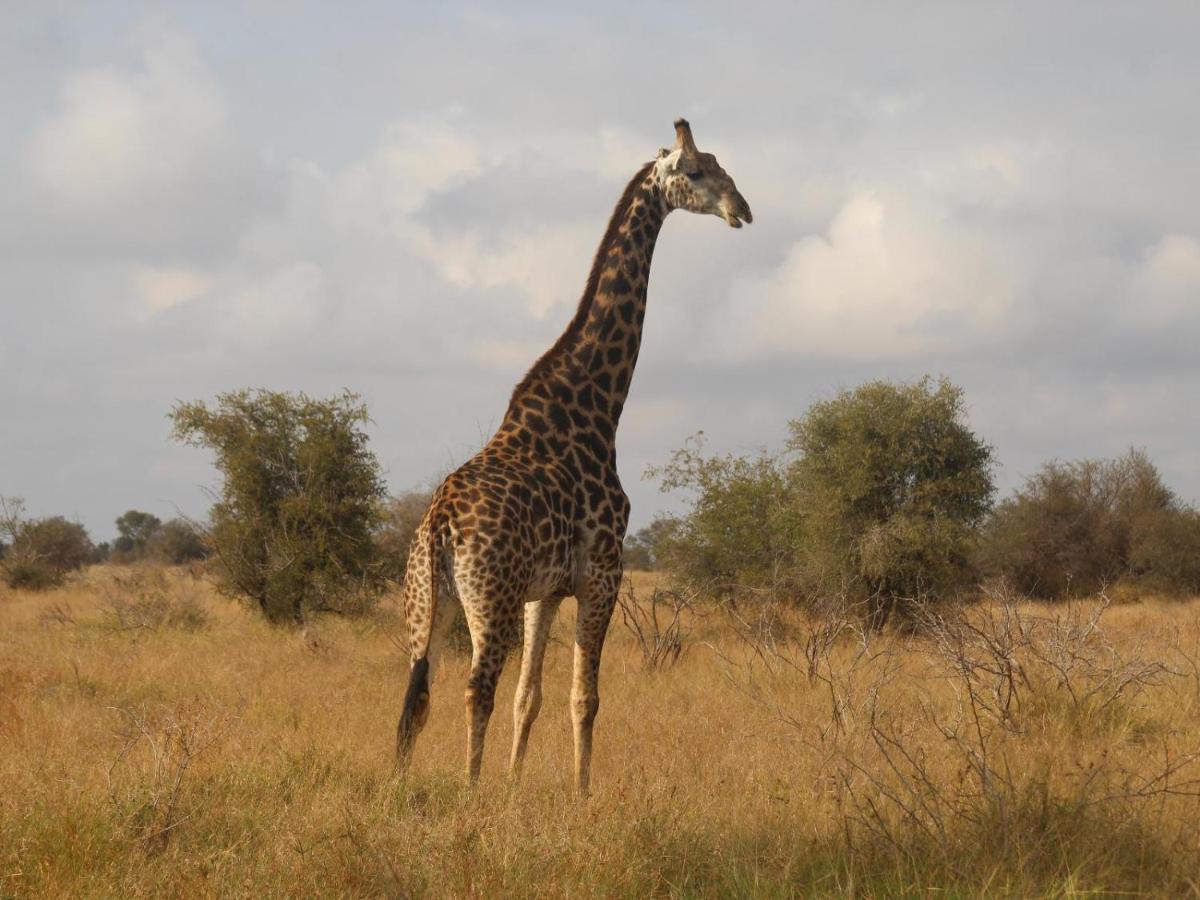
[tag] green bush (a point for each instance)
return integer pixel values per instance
(293, 523)
(63, 545)
(1078, 526)
(1165, 552)
(741, 530)
(40, 552)
(31, 575)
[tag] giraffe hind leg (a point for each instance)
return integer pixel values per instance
(539, 616)
(493, 617)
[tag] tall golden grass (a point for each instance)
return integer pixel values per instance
(157, 739)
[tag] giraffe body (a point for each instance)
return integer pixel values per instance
(539, 513)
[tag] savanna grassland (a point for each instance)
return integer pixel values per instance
(159, 739)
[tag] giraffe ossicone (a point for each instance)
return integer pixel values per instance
(539, 513)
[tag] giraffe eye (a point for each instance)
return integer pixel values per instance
(695, 176)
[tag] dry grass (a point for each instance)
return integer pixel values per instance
(156, 739)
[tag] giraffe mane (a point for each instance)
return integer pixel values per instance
(589, 291)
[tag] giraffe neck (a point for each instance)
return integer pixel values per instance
(580, 384)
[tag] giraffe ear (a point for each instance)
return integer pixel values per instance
(670, 159)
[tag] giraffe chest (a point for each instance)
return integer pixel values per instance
(592, 532)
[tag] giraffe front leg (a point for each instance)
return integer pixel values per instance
(591, 626)
(539, 616)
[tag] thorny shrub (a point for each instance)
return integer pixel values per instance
(146, 779)
(975, 755)
(146, 600)
(656, 625)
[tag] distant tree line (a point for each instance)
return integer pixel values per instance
(881, 500)
(142, 536)
(36, 554)
(882, 497)
(1076, 527)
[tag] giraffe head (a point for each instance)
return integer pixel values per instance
(696, 182)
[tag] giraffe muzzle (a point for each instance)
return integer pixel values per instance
(735, 210)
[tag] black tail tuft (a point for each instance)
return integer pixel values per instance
(416, 708)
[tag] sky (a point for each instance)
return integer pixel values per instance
(403, 200)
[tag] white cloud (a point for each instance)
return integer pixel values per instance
(276, 308)
(998, 174)
(410, 161)
(162, 288)
(609, 151)
(120, 134)
(545, 264)
(136, 161)
(505, 355)
(1167, 283)
(887, 280)
(652, 417)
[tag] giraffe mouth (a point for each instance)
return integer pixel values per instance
(736, 213)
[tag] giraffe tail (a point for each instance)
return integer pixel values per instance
(416, 709)
(416, 698)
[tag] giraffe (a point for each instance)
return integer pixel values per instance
(539, 513)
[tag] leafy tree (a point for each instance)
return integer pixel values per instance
(292, 525)
(135, 530)
(176, 542)
(892, 485)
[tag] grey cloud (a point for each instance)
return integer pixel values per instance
(517, 194)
